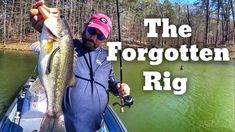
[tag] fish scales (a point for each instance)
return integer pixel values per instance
(55, 67)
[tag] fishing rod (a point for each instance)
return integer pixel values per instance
(127, 100)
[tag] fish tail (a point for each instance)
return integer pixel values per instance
(53, 123)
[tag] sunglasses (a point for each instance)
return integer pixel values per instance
(92, 31)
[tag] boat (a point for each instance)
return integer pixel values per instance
(27, 110)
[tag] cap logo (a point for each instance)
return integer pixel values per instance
(103, 20)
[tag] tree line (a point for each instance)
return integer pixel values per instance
(212, 21)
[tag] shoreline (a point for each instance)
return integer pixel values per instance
(14, 46)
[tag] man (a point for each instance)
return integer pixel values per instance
(84, 105)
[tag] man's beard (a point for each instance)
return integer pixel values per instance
(90, 44)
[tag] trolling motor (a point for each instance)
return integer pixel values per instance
(127, 101)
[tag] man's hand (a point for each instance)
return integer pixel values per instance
(38, 13)
(123, 89)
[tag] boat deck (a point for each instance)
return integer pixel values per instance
(25, 115)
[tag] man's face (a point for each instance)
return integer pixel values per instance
(92, 38)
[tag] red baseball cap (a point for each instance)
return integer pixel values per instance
(101, 22)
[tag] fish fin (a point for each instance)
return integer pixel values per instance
(52, 123)
(35, 47)
(75, 58)
(48, 69)
(49, 46)
(72, 82)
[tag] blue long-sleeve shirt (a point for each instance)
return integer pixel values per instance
(84, 105)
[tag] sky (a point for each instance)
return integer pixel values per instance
(182, 1)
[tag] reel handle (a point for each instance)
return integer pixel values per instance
(127, 101)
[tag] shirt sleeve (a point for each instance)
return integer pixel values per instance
(113, 81)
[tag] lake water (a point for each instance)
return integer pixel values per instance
(15, 68)
(208, 104)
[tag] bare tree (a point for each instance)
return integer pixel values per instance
(21, 21)
(233, 29)
(226, 19)
(11, 19)
(217, 29)
(189, 23)
(207, 23)
(4, 22)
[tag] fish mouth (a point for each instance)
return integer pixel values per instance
(51, 35)
(52, 30)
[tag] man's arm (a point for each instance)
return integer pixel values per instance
(113, 81)
(116, 87)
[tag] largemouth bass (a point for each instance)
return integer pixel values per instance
(55, 67)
